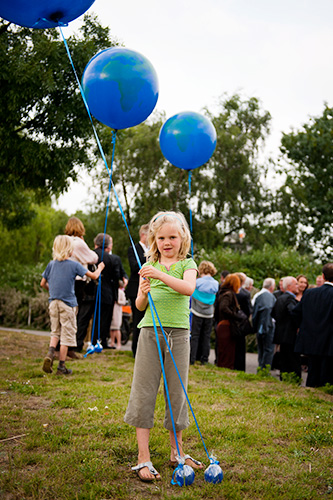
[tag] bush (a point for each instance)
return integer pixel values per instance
(273, 262)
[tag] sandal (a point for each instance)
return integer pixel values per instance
(138, 468)
(198, 465)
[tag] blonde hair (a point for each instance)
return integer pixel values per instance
(157, 222)
(207, 267)
(63, 246)
(74, 227)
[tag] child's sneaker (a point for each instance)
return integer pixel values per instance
(47, 364)
(63, 370)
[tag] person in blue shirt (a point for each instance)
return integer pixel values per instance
(202, 309)
(59, 279)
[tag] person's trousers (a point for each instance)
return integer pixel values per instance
(136, 318)
(147, 377)
(104, 316)
(201, 329)
(290, 361)
(265, 348)
(320, 371)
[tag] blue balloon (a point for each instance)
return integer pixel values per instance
(121, 87)
(183, 475)
(214, 474)
(188, 140)
(43, 13)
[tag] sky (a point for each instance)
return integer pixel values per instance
(277, 50)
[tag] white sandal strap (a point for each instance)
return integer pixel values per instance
(193, 460)
(150, 466)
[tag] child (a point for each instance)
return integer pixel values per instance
(117, 317)
(59, 279)
(202, 309)
(170, 278)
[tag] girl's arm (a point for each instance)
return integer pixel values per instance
(142, 298)
(94, 275)
(185, 286)
(44, 284)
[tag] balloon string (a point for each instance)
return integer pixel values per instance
(191, 226)
(84, 100)
(138, 261)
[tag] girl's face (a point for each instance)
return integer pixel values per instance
(168, 241)
(302, 284)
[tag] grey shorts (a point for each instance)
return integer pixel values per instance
(63, 322)
(147, 377)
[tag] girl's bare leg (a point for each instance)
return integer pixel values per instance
(142, 436)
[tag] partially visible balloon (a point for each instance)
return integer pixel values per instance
(188, 140)
(121, 87)
(43, 13)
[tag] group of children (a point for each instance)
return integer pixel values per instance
(169, 278)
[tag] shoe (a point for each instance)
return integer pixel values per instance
(188, 459)
(74, 355)
(47, 364)
(64, 371)
(152, 470)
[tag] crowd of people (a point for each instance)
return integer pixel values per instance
(180, 305)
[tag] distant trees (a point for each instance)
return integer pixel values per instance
(306, 198)
(44, 129)
(227, 193)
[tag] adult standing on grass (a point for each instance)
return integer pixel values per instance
(202, 308)
(228, 308)
(59, 278)
(286, 328)
(170, 277)
(314, 316)
(133, 283)
(263, 323)
(84, 255)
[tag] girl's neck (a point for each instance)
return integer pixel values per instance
(167, 262)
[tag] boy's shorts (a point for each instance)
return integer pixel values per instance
(63, 322)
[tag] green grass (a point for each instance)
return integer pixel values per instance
(273, 439)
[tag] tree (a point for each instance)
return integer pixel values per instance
(227, 194)
(45, 131)
(306, 198)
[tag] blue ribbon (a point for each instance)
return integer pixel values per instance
(152, 305)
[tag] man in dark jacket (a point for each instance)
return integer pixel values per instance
(263, 324)
(314, 315)
(286, 328)
(110, 277)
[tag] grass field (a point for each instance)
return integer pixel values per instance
(64, 437)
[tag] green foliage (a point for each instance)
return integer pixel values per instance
(226, 193)
(259, 264)
(45, 132)
(307, 195)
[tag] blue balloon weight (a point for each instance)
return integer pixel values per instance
(214, 473)
(188, 140)
(183, 475)
(121, 87)
(43, 13)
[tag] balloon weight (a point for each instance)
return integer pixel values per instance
(188, 140)
(184, 475)
(43, 13)
(213, 474)
(121, 87)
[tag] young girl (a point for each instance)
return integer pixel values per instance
(59, 279)
(170, 277)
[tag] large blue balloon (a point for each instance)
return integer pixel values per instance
(121, 87)
(188, 140)
(43, 13)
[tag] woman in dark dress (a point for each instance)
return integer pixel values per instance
(227, 346)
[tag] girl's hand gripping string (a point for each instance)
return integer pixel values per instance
(142, 298)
